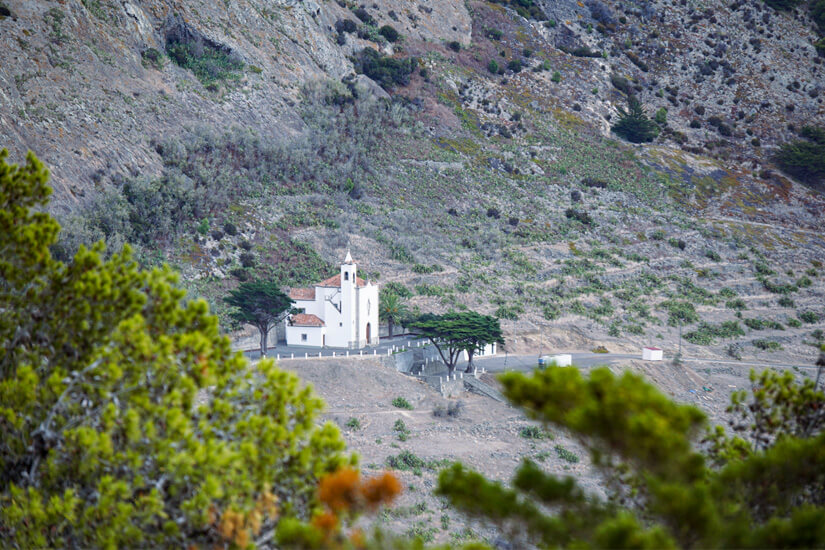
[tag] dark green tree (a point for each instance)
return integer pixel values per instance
(805, 158)
(633, 124)
(391, 308)
(454, 333)
(127, 420)
(817, 10)
(261, 304)
(783, 4)
(763, 487)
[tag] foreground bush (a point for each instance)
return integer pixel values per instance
(761, 488)
(126, 419)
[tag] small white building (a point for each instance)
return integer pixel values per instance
(560, 360)
(652, 354)
(340, 312)
(487, 351)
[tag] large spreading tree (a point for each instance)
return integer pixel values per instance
(457, 332)
(126, 418)
(261, 304)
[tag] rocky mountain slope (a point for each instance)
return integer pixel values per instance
(476, 168)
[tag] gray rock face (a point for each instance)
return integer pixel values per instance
(75, 89)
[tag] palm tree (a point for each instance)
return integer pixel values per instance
(392, 309)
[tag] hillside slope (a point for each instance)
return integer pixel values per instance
(481, 173)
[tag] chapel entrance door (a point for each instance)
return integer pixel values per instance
(368, 333)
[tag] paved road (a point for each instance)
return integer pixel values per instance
(500, 363)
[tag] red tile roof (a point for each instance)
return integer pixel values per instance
(302, 294)
(306, 320)
(335, 282)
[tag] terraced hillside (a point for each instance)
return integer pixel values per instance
(471, 161)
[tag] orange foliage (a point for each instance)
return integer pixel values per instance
(238, 527)
(326, 522)
(380, 490)
(357, 539)
(344, 491)
(340, 490)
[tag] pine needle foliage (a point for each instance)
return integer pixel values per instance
(633, 124)
(126, 418)
(761, 488)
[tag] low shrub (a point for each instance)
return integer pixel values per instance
(679, 312)
(766, 345)
(581, 217)
(353, 424)
(152, 58)
(492, 66)
(426, 269)
(405, 460)
(514, 65)
(394, 287)
(809, 317)
(386, 71)
(594, 183)
(209, 63)
(364, 16)
(621, 83)
(661, 116)
(346, 25)
(401, 430)
(707, 333)
(230, 229)
(247, 259)
(738, 304)
(637, 61)
(494, 34)
(551, 311)
(566, 455)
(402, 403)
(582, 51)
(389, 33)
(713, 255)
(532, 432)
(786, 301)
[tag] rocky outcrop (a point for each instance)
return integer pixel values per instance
(81, 86)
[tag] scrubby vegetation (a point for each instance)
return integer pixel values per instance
(210, 63)
(206, 171)
(529, 9)
(387, 71)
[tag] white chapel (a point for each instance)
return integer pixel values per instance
(340, 312)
